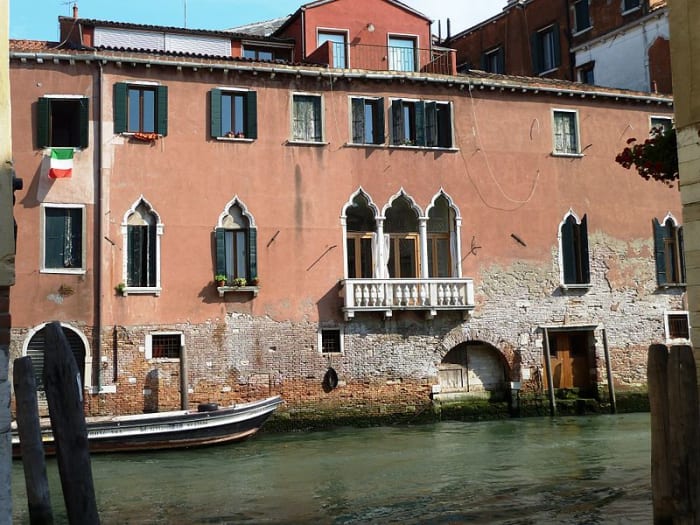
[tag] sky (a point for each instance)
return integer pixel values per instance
(38, 19)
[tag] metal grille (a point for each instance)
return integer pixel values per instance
(166, 346)
(678, 326)
(330, 341)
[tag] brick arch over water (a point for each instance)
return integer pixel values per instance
(461, 335)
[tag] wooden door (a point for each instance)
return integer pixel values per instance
(569, 359)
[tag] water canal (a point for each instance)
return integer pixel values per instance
(586, 470)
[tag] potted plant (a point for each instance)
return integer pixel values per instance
(255, 280)
(220, 279)
(239, 281)
(240, 135)
(120, 288)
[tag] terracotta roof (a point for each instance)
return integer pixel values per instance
(32, 45)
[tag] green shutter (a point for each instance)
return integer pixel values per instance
(152, 256)
(251, 115)
(76, 237)
(585, 259)
(162, 110)
(483, 61)
(568, 250)
(215, 113)
(378, 123)
(681, 254)
(84, 123)
(431, 124)
(536, 52)
(55, 229)
(135, 235)
(358, 120)
(43, 121)
(220, 250)
(501, 61)
(120, 110)
(420, 124)
(660, 251)
(396, 122)
(252, 252)
(557, 45)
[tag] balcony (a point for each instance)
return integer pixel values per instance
(389, 295)
(440, 61)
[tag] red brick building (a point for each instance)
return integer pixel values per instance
(425, 234)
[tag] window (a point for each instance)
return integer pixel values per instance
(142, 230)
(565, 132)
(338, 47)
(140, 108)
(668, 252)
(418, 123)
(330, 341)
(665, 123)
(546, 51)
(402, 54)
(163, 346)
(35, 350)
(63, 238)
(493, 61)
(236, 243)
(401, 228)
(677, 325)
(361, 238)
(585, 73)
(367, 120)
(574, 251)
(306, 118)
(630, 5)
(62, 122)
(234, 114)
(257, 53)
(441, 238)
(582, 19)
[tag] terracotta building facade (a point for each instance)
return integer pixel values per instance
(425, 235)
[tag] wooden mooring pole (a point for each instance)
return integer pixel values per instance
(675, 431)
(29, 430)
(64, 393)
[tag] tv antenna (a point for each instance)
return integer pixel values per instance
(185, 6)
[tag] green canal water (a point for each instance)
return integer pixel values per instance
(584, 470)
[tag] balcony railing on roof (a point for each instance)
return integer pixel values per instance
(388, 295)
(385, 58)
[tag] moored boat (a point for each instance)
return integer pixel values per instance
(164, 430)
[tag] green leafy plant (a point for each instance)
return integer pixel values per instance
(220, 278)
(120, 288)
(239, 281)
(655, 158)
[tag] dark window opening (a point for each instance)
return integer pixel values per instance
(493, 61)
(367, 121)
(425, 124)
(582, 19)
(546, 51)
(574, 247)
(166, 346)
(330, 341)
(62, 123)
(668, 252)
(63, 241)
(678, 326)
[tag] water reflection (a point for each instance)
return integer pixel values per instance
(530, 471)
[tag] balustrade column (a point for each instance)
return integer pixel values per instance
(423, 235)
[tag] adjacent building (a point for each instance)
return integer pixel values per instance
(424, 234)
(622, 44)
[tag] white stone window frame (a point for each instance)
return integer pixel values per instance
(74, 271)
(160, 227)
(329, 328)
(666, 118)
(667, 331)
(416, 49)
(560, 256)
(148, 346)
(66, 97)
(577, 125)
(299, 142)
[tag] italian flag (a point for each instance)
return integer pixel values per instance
(61, 166)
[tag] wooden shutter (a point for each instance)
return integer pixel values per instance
(55, 230)
(378, 123)
(162, 110)
(135, 235)
(536, 52)
(431, 127)
(251, 114)
(557, 45)
(43, 123)
(152, 255)
(120, 110)
(420, 124)
(397, 122)
(660, 252)
(358, 120)
(76, 240)
(568, 250)
(220, 251)
(215, 113)
(252, 253)
(583, 249)
(84, 115)
(681, 255)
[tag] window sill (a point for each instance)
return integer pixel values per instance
(630, 11)
(576, 286)
(582, 31)
(306, 143)
(66, 271)
(141, 291)
(568, 155)
(104, 389)
(666, 286)
(543, 73)
(678, 341)
(364, 145)
(234, 139)
(238, 289)
(421, 148)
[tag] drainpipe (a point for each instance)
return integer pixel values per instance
(572, 58)
(100, 232)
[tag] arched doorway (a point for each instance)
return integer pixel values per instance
(474, 368)
(35, 350)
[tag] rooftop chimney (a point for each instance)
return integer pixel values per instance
(75, 10)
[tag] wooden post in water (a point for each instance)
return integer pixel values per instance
(64, 393)
(548, 371)
(184, 393)
(29, 430)
(608, 368)
(675, 430)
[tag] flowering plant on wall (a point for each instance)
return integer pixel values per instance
(655, 158)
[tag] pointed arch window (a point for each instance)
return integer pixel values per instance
(361, 238)
(142, 230)
(441, 239)
(668, 252)
(402, 237)
(574, 251)
(236, 243)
